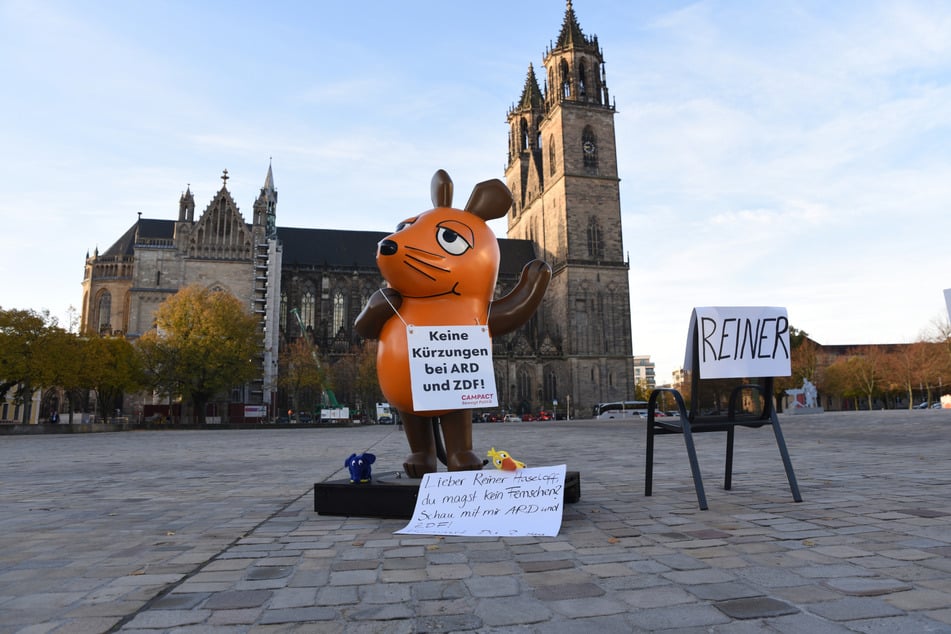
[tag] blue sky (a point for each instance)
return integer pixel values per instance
(771, 153)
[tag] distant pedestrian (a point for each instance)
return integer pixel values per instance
(54, 417)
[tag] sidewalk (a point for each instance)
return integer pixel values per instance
(207, 531)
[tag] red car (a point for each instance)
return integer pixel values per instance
(528, 417)
(545, 416)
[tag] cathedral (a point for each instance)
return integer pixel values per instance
(561, 167)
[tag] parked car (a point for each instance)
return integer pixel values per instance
(304, 417)
(511, 418)
(528, 417)
(922, 405)
(385, 420)
(543, 415)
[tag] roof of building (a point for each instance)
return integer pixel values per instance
(336, 248)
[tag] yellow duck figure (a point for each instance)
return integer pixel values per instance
(502, 460)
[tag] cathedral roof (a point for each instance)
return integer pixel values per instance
(329, 247)
(335, 248)
(143, 228)
(341, 248)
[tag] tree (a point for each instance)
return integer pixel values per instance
(28, 354)
(204, 343)
(367, 384)
(803, 359)
(111, 367)
(302, 375)
(866, 371)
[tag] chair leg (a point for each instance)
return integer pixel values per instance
(787, 463)
(728, 470)
(649, 469)
(694, 466)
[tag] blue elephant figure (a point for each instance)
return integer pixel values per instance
(359, 465)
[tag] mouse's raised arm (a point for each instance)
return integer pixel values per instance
(512, 311)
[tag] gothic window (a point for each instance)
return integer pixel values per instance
(283, 314)
(581, 81)
(595, 239)
(105, 311)
(565, 80)
(307, 309)
(524, 385)
(589, 147)
(524, 142)
(551, 385)
(551, 155)
(339, 312)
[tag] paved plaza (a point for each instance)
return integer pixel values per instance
(208, 531)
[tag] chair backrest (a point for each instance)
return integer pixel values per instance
(732, 346)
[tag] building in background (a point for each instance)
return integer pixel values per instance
(644, 375)
(312, 282)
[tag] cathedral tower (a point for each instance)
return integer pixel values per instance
(562, 170)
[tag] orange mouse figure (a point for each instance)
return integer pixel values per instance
(441, 269)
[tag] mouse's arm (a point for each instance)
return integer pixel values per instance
(369, 323)
(512, 311)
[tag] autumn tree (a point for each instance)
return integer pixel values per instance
(28, 354)
(366, 382)
(204, 343)
(111, 367)
(866, 372)
(302, 375)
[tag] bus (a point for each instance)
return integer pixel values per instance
(620, 409)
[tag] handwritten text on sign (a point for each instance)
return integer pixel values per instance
(490, 503)
(741, 341)
(450, 367)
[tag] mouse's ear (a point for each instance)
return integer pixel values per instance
(440, 189)
(490, 200)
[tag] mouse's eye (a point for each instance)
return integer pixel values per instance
(405, 224)
(454, 237)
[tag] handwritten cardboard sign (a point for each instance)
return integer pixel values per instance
(450, 367)
(490, 503)
(739, 341)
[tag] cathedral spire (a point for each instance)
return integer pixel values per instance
(571, 35)
(265, 207)
(531, 94)
(186, 206)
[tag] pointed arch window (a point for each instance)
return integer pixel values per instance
(582, 80)
(283, 312)
(524, 139)
(565, 80)
(524, 380)
(589, 147)
(595, 239)
(551, 155)
(551, 385)
(104, 310)
(339, 312)
(307, 304)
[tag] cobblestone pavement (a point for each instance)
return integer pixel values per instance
(205, 531)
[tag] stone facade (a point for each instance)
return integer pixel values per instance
(562, 170)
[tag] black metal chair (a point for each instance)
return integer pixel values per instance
(750, 404)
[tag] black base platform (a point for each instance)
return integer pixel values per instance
(391, 497)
